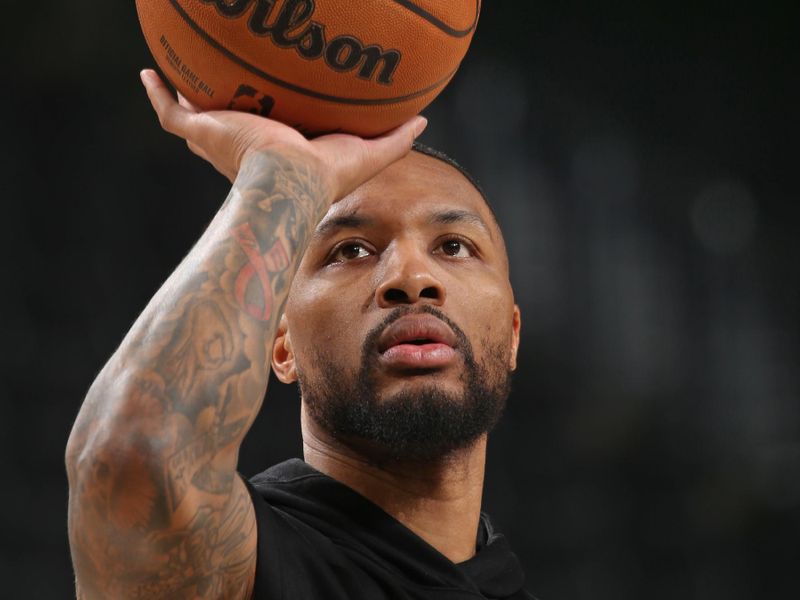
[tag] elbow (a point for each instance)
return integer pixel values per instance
(116, 427)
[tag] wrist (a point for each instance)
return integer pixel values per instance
(295, 175)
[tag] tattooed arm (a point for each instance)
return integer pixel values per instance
(156, 508)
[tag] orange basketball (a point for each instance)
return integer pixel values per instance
(359, 66)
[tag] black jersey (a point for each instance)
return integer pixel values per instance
(320, 540)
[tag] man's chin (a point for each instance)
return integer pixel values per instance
(382, 453)
(417, 387)
(402, 414)
(414, 421)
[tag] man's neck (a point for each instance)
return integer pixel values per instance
(440, 500)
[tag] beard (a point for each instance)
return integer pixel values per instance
(419, 423)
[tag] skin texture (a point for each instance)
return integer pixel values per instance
(156, 508)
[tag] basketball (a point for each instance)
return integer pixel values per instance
(320, 66)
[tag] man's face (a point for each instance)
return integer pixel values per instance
(401, 325)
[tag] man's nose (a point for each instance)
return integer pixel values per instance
(409, 278)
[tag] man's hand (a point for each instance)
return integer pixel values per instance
(224, 138)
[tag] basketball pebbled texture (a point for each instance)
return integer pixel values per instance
(358, 66)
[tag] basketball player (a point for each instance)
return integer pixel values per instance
(377, 279)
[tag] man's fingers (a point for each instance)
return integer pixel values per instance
(171, 115)
(357, 160)
(394, 145)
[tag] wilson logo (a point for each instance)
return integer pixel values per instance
(292, 26)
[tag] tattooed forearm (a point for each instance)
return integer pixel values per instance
(156, 509)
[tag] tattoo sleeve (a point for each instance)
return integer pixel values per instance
(156, 507)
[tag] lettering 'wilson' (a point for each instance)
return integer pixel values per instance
(292, 26)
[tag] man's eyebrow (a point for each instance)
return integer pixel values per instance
(448, 217)
(348, 221)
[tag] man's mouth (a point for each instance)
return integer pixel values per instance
(417, 342)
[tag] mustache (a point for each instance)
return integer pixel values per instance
(370, 346)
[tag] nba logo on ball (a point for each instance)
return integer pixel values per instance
(249, 99)
(319, 65)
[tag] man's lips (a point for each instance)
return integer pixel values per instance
(417, 342)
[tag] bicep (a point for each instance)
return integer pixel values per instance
(209, 553)
(214, 555)
(236, 545)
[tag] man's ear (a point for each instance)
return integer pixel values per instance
(516, 324)
(282, 354)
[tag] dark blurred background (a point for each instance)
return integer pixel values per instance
(641, 157)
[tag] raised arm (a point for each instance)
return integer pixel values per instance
(156, 509)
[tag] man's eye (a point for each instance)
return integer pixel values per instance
(349, 251)
(456, 249)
